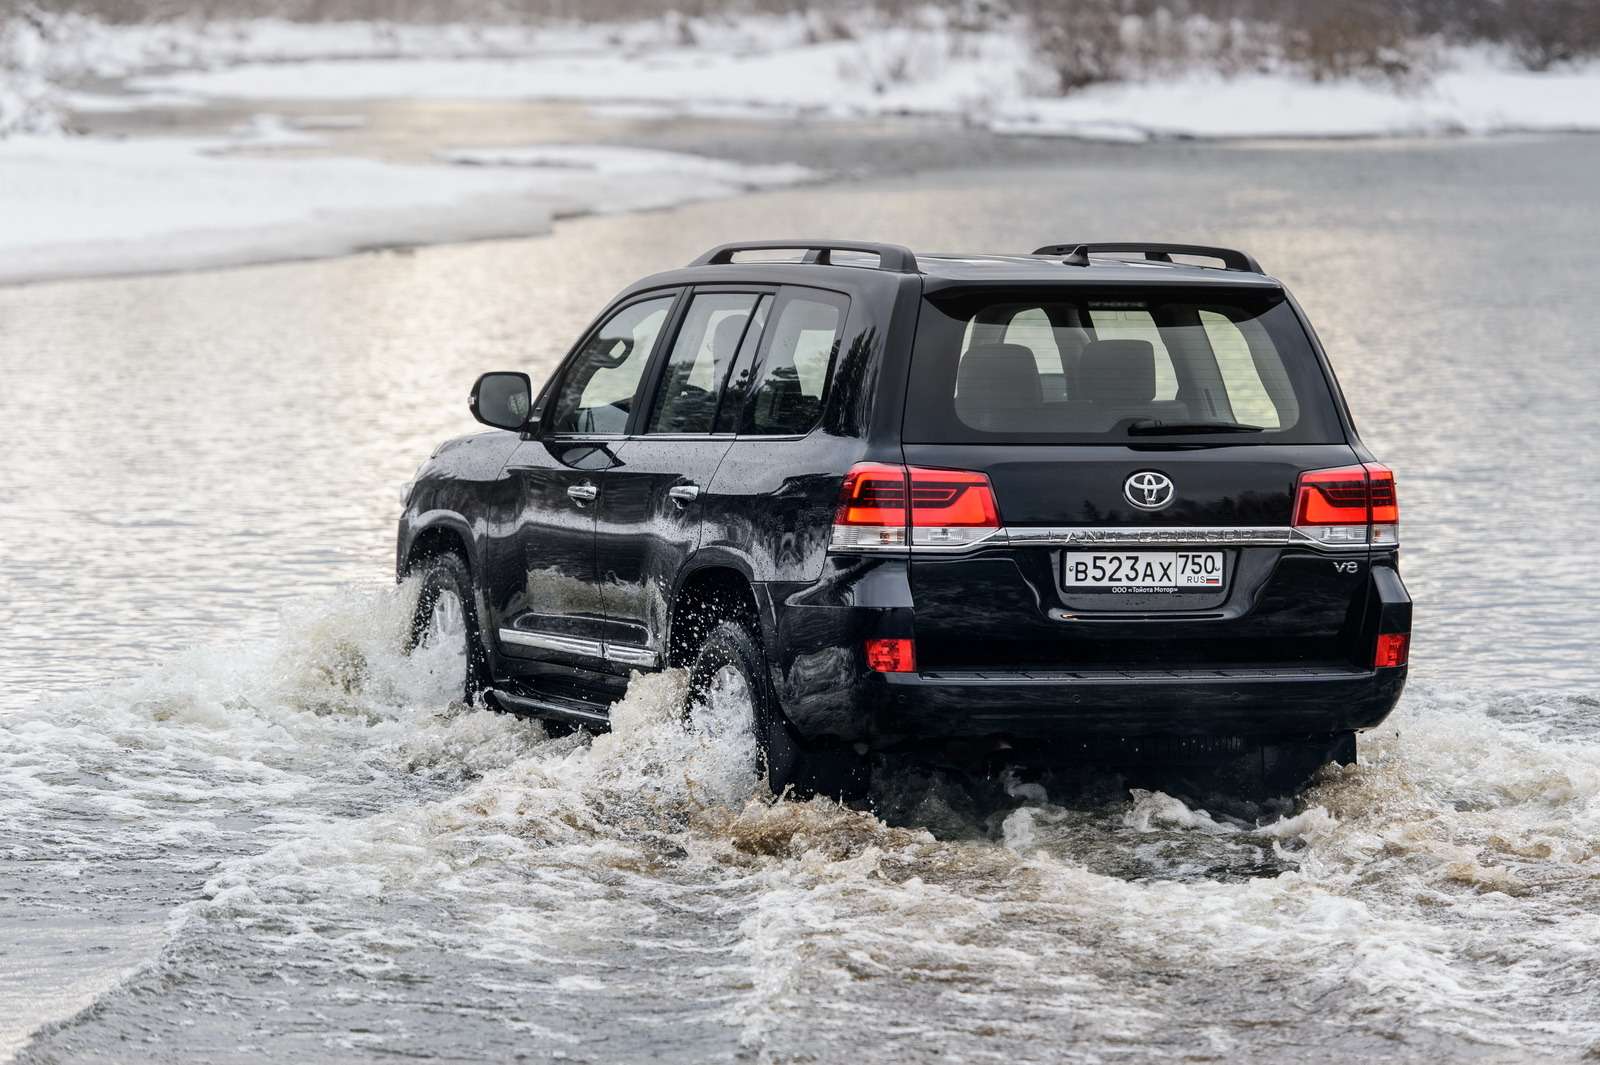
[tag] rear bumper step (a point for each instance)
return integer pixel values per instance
(1044, 706)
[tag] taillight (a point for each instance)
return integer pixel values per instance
(883, 506)
(1385, 506)
(1393, 651)
(872, 511)
(891, 656)
(1348, 506)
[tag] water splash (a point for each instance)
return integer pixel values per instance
(327, 836)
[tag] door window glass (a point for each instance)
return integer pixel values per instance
(597, 392)
(692, 382)
(794, 374)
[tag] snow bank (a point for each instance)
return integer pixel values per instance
(985, 78)
(96, 206)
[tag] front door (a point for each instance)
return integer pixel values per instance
(557, 616)
(649, 515)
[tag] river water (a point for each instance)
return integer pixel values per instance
(239, 826)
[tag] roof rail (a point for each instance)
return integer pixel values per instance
(892, 257)
(1161, 253)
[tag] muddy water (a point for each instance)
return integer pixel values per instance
(239, 826)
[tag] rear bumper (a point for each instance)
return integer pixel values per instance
(816, 632)
(1215, 703)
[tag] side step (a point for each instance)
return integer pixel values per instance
(522, 704)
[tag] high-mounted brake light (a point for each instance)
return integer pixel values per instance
(1348, 506)
(885, 507)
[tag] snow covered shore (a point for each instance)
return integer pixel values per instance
(984, 84)
(869, 66)
(83, 206)
(87, 205)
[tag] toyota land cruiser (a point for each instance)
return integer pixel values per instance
(1100, 500)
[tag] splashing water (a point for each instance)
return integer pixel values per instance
(305, 849)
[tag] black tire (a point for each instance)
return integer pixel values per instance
(448, 574)
(787, 765)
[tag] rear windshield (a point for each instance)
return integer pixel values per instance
(1070, 366)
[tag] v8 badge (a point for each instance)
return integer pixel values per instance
(1347, 567)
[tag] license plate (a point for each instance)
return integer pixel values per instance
(1142, 569)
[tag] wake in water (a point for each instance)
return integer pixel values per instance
(304, 850)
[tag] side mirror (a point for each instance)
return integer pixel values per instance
(502, 400)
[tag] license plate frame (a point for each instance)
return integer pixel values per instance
(1135, 571)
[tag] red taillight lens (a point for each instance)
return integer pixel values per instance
(873, 493)
(1332, 497)
(887, 506)
(872, 511)
(952, 499)
(1348, 505)
(892, 656)
(1394, 649)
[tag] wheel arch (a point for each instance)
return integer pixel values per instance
(430, 535)
(713, 579)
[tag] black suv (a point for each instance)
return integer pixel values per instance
(1102, 500)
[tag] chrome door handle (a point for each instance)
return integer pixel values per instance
(583, 493)
(683, 494)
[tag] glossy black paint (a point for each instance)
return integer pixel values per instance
(645, 538)
(1005, 652)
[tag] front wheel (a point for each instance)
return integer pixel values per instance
(444, 625)
(730, 698)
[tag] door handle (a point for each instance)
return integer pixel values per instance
(683, 494)
(583, 493)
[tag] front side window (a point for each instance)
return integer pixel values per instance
(1076, 366)
(805, 330)
(596, 394)
(696, 372)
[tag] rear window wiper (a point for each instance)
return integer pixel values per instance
(1157, 427)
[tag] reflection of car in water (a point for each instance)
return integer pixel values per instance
(1093, 501)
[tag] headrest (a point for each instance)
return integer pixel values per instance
(725, 338)
(997, 377)
(1119, 372)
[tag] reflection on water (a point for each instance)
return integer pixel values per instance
(294, 846)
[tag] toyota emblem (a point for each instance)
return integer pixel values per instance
(1148, 490)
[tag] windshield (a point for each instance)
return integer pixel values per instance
(1072, 366)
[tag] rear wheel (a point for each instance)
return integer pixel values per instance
(729, 691)
(444, 625)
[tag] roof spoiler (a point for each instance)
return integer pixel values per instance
(1078, 253)
(892, 257)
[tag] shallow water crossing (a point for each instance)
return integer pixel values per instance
(311, 853)
(289, 843)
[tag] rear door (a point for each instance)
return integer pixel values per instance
(1144, 448)
(650, 510)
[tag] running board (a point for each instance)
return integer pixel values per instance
(521, 704)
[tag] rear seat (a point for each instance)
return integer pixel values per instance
(998, 388)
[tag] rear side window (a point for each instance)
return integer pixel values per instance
(697, 369)
(1076, 366)
(803, 339)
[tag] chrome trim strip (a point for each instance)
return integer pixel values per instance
(571, 645)
(632, 656)
(522, 704)
(575, 645)
(1133, 536)
(1117, 536)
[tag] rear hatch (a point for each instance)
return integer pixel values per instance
(1145, 450)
